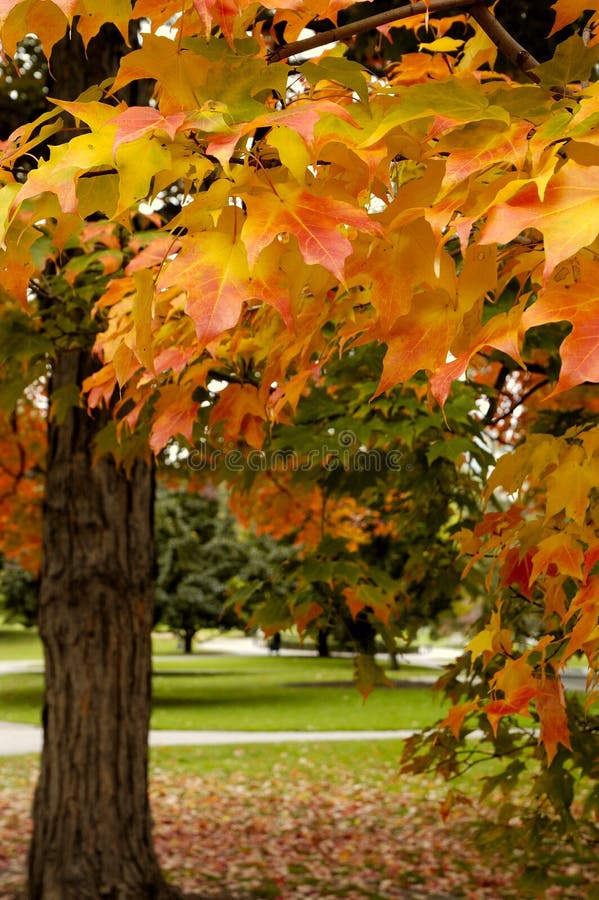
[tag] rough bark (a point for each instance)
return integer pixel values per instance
(92, 824)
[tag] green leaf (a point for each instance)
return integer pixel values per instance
(343, 71)
(64, 399)
(368, 674)
(573, 61)
(451, 449)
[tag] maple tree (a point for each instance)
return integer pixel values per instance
(258, 217)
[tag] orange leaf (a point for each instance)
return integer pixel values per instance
(501, 332)
(212, 270)
(567, 11)
(419, 340)
(314, 221)
(306, 613)
(456, 715)
(243, 412)
(550, 706)
(174, 413)
(557, 555)
(576, 303)
(568, 215)
(586, 605)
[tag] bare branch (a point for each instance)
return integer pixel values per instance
(504, 41)
(344, 32)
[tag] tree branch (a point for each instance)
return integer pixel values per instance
(344, 32)
(504, 41)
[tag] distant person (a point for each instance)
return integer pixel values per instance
(274, 645)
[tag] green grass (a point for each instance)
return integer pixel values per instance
(254, 694)
(19, 643)
(370, 763)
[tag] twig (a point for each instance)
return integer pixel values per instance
(504, 41)
(517, 403)
(344, 32)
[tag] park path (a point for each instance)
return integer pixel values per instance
(17, 739)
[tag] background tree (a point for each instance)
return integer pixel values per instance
(199, 552)
(370, 494)
(18, 594)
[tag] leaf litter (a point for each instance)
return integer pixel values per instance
(301, 833)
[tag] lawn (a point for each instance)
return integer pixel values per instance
(291, 821)
(257, 694)
(19, 643)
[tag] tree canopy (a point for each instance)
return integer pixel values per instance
(266, 214)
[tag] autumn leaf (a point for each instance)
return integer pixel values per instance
(567, 11)
(174, 414)
(212, 270)
(557, 554)
(501, 332)
(456, 715)
(306, 612)
(220, 12)
(137, 121)
(242, 410)
(143, 301)
(567, 216)
(576, 303)
(550, 706)
(419, 340)
(491, 640)
(316, 222)
(584, 609)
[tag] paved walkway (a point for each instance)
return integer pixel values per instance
(16, 739)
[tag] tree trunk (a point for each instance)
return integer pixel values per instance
(322, 644)
(188, 637)
(92, 824)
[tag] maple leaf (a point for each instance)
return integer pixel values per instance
(306, 612)
(567, 11)
(315, 222)
(212, 270)
(516, 705)
(419, 340)
(516, 569)
(174, 414)
(557, 554)
(501, 332)
(585, 607)
(456, 715)
(243, 412)
(178, 73)
(222, 12)
(491, 640)
(567, 216)
(478, 149)
(577, 303)
(550, 706)
(137, 121)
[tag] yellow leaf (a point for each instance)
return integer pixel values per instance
(143, 301)
(442, 45)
